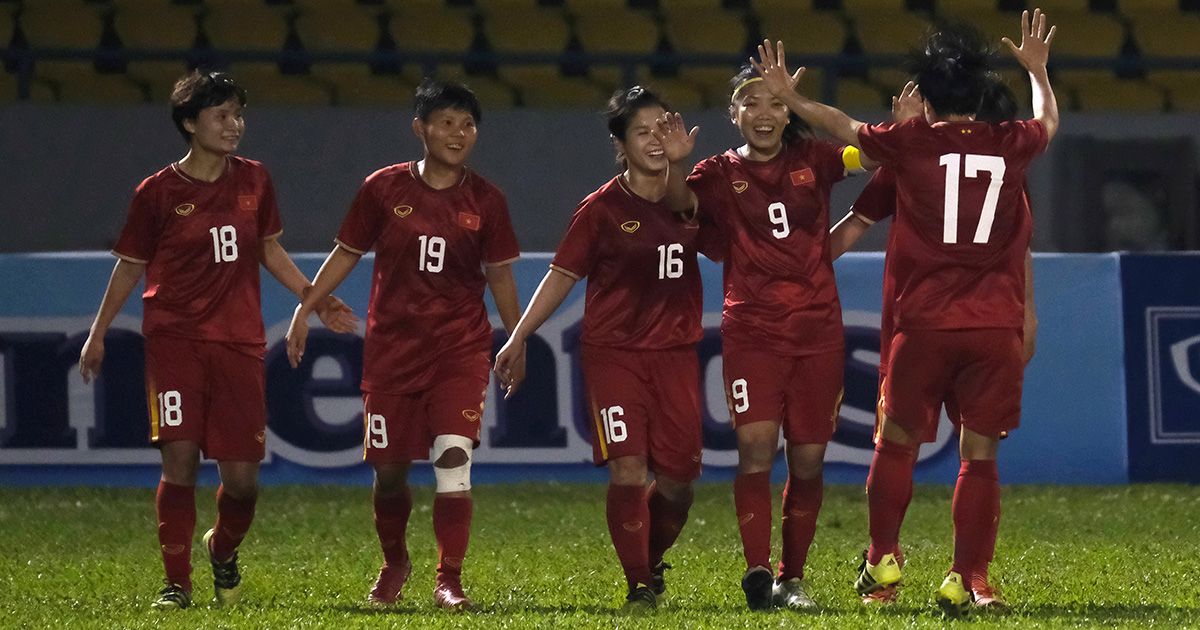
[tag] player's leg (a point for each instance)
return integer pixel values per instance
(669, 502)
(388, 445)
(237, 497)
(175, 504)
(628, 516)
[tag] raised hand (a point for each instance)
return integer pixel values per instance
(510, 366)
(908, 104)
(772, 67)
(337, 316)
(672, 134)
(1034, 50)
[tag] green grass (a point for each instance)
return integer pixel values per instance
(540, 557)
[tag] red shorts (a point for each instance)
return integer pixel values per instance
(646, 403)
(980, 369)
(803, 393)
(207, 392)
(401, 427)
(931, 431)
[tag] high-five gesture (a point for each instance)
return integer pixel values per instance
(676, 140)
(908, 104)
(1035, 41)
(772, 67)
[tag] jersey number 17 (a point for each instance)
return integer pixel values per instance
(974, 164)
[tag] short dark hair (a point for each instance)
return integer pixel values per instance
(953, 68)
(998, 103)
(198, 90)
(434, 94)
(796, 127)
(624, 104)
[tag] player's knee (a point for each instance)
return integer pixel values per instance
(452, 463)
(678, 492)
(627, 471)
(806, 463)
(241, 489)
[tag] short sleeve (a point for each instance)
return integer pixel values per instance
(269, 223)
(143, 226)
(709, 183)
(361, 227)
(576, 255)
(499, 240)
(828, 157)
(878, 200)
(885, 142)
(1025, 139)
(711, 241)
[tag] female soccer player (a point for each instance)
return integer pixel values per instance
(641, 324)
(958, 268)
(782, 323)
(199, 229)
(441, 233)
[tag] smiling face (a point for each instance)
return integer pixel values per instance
(643, 153)
(760, 117)
(217, 129)
(448, 134)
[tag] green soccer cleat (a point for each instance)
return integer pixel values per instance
(790, 593)
(641, 600)
(227, 580)
(172, 597)
(875, 577)
(953, 598)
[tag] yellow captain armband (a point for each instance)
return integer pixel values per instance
(852, 160)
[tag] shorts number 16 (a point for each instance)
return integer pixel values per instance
(614, 426)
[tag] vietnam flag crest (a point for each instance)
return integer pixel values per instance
(802, 177)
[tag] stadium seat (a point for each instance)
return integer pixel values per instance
(1168, 34)
(437, 31)
(1100, 90)
(1055, 7)
(1183, 88)
(1133, 7)
(1087, 34)
(493, 93)
(858, 95)
(353, 84)
(155, 25)
(65, 24)
(859, 8)
(542, 86)
(1018, 82)
(890, 80)
(615, 30)
(712, 82)
(337, 27)
(526, 30)
(716, 32)
(681, 94)
(238, 25)
(889, 33)
(6, 24)
(805, 32)
(156, 78)
(78, 82)
(265, 85)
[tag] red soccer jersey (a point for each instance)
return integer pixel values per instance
(427, 286)
(200, 243)
(643, 289)
(780, 291)
(957, 248)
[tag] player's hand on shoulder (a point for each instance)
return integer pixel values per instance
(90, 357)
(673, 135)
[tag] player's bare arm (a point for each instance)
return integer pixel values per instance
(334, 313)
(771, 66)
(846, 233)
(504, 293)
(125, 277)
(677, 143)
(548, 297)
(333, 271)
(1033, 54)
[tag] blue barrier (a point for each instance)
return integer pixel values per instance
(56, 430)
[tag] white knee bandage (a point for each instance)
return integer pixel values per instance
(457, 479)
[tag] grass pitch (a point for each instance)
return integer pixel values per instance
(540, 558)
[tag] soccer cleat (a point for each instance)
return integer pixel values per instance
(790, 593)
(658, 584)
(985, 595)
(641, 599)
(758, 583)
(448, 595)
(952, 597)
(172, 597)
(227, 581)
(389, 583)
(874, 577)
(882, 597)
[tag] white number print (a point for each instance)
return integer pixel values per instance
(433, 253)
(741, 396)
(224, 241)
(614, 427)
(778, 214)
(954, 162)
(670, 265)
(170, 409)
(377, 431)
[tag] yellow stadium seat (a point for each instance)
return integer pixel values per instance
(1087, 34)
(522, 30)
(64, 24)
(680, 94)
(156, 78)
(1054, 7)
(1018, 82)
(890, 33)
(78, 82)
(890, 80)
(616, 30)
(1100, 90)
(491, 7)
(436, 31)
(234, 25)
(1134, 7)
(337, 27)
(859, 95)
(1183, 88)
(6, 24)
(608, 78)
(716, 32)
(265, 85)
(597, 5)
(493, 93)
(156, 25)
(543, 87)
(353, 84)
(805, 32)
(1167, 34)
(712, 81)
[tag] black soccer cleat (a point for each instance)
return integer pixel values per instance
(658, 584)
(758, 583)
(227, 579)
(641, 600)
(172, 597)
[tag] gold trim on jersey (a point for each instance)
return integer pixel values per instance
(569, 274)
(502, 263)
(152, 403)
(631, 226)
(185, 209)
(402, 210)
(130, 258)
(357, 252)
(599, 431)
(740, 186)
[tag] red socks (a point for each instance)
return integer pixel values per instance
(176, 507)
(801, 504)
(666, 521)
(752, 501)
(391, 523)
(976, 510)
(629, 525)
(889, 490)
(452, 529)
(234, 517)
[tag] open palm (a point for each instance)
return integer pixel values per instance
(677, 142)
(1034, 50)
